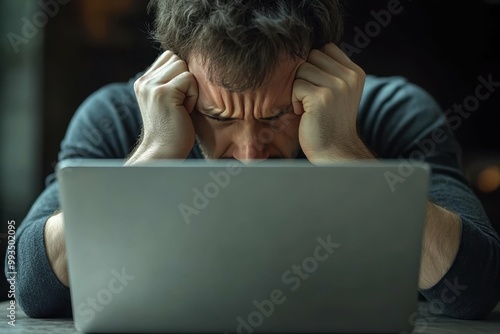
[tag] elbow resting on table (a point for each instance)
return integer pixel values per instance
(470, 294)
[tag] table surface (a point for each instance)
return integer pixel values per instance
(426, 323)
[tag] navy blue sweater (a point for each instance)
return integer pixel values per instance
(397, 120)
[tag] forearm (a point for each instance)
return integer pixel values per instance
(470, 288)
(442, 231)
(39, 292)
(441, 239)
(141, 154)
(55, 247)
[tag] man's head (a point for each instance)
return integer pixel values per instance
(244, 55)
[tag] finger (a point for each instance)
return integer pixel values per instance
(301, 90)
(191, 95)
(338, 55)
(329, 65)
(314, 75)
(171, 69)
(160, 61)
(338, 81)
(187, 85)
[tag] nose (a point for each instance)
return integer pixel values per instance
(248, 146)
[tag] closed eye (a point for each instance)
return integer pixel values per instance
(218, 118)
(282, 113)
(271, 118)
(275, 117)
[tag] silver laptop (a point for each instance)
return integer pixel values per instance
(222, 247)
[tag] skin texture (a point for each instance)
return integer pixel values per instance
(308, 103)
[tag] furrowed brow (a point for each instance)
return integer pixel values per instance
(214, 113)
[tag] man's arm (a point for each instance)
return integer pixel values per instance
(441, 239)
(344, 118)
(460, 264)
(106, 125)
(38, 291)
(442, 230)
(54, 227)
(56, 248)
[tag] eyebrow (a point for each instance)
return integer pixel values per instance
(215, 112)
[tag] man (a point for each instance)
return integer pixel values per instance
(254, 80)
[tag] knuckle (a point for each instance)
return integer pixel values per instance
(358, 70)
(361, 77)
(188, 76)
(159, 91)
(175, 81)
(314, 53)
(139, 84)
(340, 84)
(361, 72)
(352, 78)
(179, 63)
(168, 54)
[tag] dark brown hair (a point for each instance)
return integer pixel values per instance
(241, 41)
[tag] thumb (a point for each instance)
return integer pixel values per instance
(190, 86)
(298, 95)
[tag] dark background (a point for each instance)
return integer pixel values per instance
(443, 46)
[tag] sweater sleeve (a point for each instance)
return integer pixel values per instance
(106, 125)
(399, 120)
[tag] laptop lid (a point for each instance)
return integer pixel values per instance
(217, 246)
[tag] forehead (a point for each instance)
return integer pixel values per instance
(277, 87)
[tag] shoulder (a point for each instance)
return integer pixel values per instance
(116, 97)
(106, 124)
(393, 91)
(395, 112)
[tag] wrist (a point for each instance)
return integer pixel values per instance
(345, 151)
(148, 150)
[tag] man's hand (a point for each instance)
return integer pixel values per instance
(327, 92)
(166, 94)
